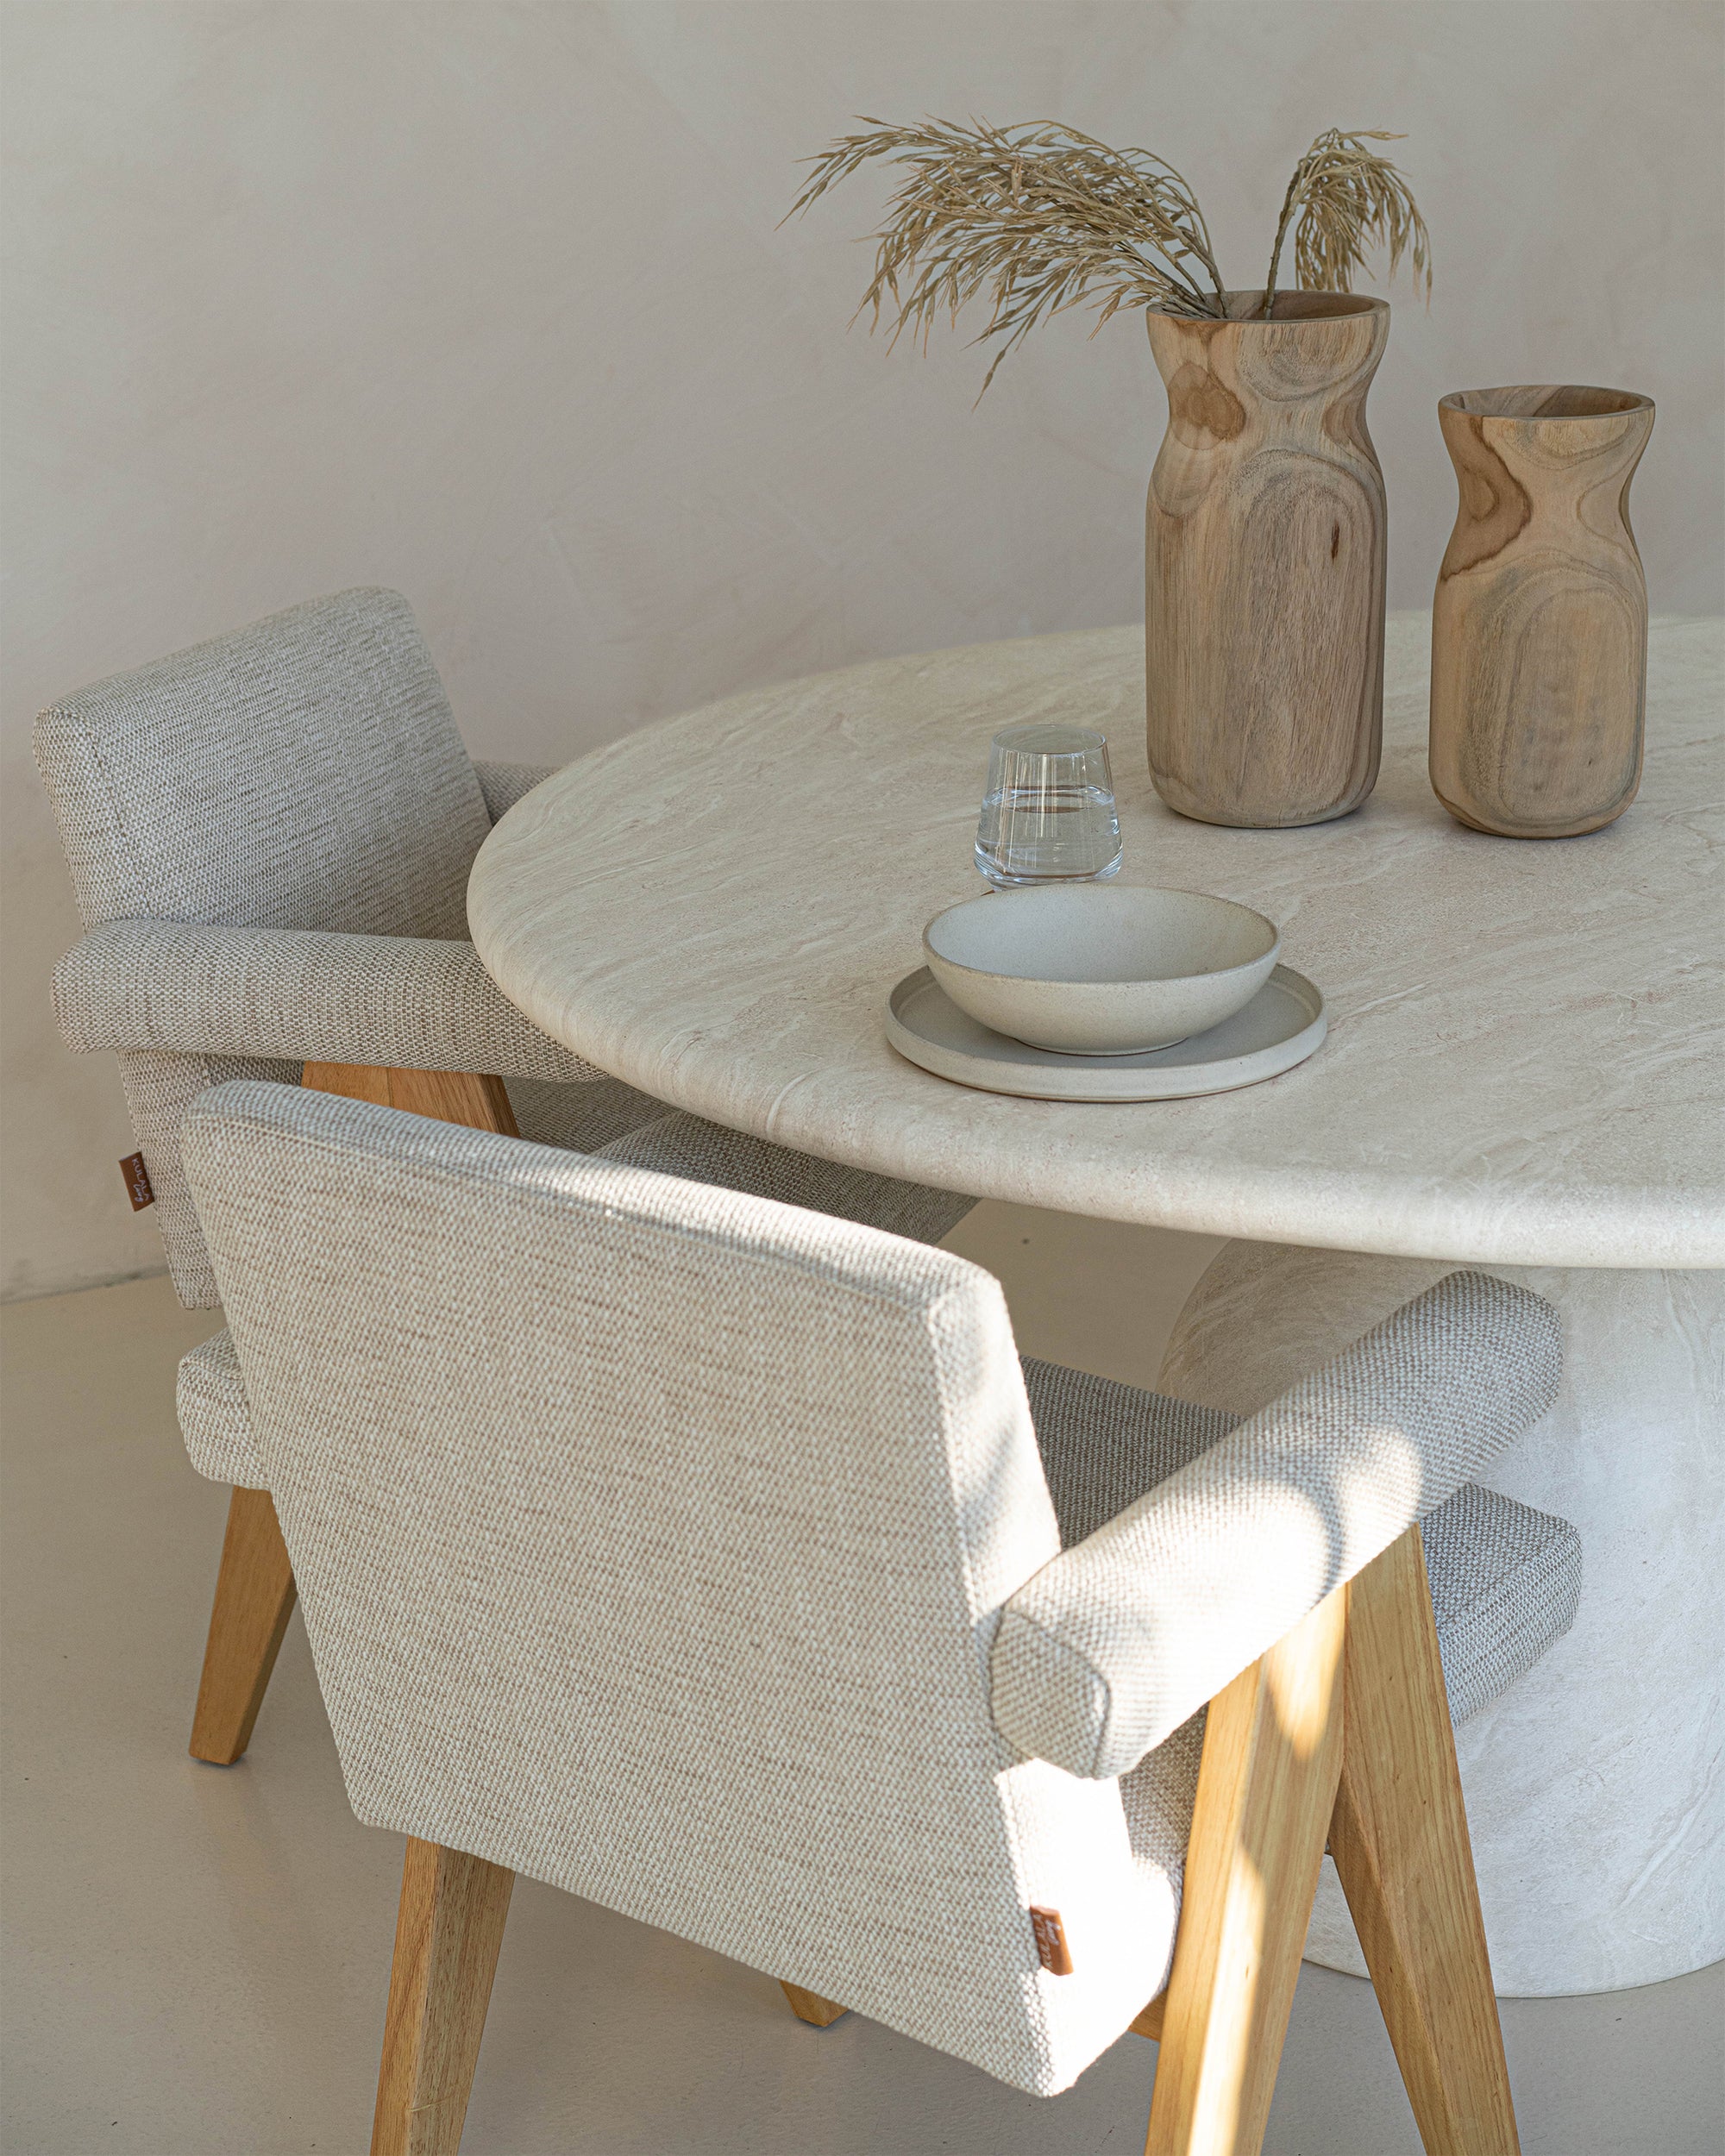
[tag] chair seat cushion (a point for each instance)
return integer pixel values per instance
(581, 1119)
(702, 1152)
(1104, 1445)
(1506, 1581)
(617, 1123)
(214, 1418)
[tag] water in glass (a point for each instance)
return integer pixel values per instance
(1048, 814)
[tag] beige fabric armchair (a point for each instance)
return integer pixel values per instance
(720, 1561)
(269, 837)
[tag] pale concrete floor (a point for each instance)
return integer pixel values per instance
(196, 1959)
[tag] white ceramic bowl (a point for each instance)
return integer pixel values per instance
(1094, 969)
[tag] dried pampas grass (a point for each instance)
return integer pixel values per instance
(1042, 218)
(1344, 195)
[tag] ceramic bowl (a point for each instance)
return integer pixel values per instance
(1092, 969)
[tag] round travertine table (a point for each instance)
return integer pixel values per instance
(1523, 1071)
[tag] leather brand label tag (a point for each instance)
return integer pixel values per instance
(137, 1182)
(1051, 1950)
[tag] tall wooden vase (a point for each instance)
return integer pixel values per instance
(1540, 625)
(1264, 562)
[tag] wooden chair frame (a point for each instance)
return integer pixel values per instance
(1342, 1731)
(254, 1590)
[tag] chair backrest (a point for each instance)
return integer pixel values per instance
(651, 1539)
(305, 772)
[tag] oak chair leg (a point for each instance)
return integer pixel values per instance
(1266, 1788)
(447, 1934)
(449, 1096)
(1400, 1841)
(254, 1597)
(809, 2006)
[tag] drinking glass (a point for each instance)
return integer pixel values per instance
(1048, 814)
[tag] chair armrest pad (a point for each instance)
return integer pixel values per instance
(309, 994)
(504, 784)
(1102, 1654)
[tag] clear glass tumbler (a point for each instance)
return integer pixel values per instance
(1048, 814)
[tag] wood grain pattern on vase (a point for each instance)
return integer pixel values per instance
(1265, 554)
(1540, 625)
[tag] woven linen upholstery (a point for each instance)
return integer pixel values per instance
(401, 1001)
(712, 1153)
(270, 836)
(1505, 1580)
(1120, 1639)
(1506, 1583)
(305, 772)
(505, 784)
(215, 1417)
(650, 1538)
(1104, 1445)
(582, 1118)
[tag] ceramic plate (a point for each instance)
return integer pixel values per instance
(1280, 1027)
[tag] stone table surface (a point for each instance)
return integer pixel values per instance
(1523, 1065)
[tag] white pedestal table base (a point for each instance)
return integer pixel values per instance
(1594, 1792)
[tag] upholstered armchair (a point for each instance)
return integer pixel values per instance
(269, 837)
(720, 1561)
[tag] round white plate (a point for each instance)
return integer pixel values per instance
(1280, 1027)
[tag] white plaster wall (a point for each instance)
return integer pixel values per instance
(486, 301)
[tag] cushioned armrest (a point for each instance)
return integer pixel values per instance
(1105, 1652)
(504, 784)
(303, 993)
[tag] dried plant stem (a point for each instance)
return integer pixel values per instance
(1345, 194)
(1040, 218)
(1287, 202)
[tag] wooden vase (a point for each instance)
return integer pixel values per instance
(1540, 625)
(1264, 562)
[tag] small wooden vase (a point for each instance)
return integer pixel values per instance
(1540, 625)
(1264, 562)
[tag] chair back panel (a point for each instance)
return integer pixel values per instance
(305, 772)
(651, 1538)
